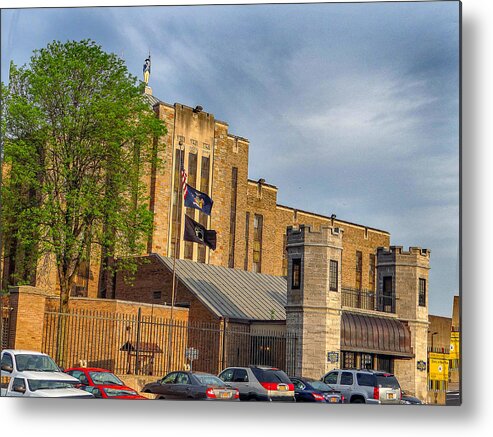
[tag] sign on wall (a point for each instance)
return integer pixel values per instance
(454, 346)
(333, 357)
(438, 364)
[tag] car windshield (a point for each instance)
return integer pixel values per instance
(271, 375)
(112, 392)
(39, 384)
(387, 381)
(209, 380)
(105, 378)
(38, 363)
(319, 385)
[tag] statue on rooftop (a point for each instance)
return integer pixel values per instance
(147, 70)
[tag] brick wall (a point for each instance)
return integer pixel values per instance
(160, 184)
(442, 326)
(262, 201)
(206, 332)
(201, 133)
(229, 151)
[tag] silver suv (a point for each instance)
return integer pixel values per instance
(259, 383)
(362, 386)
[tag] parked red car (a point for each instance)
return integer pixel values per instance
(102, 383)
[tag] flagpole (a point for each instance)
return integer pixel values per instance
(177, 232)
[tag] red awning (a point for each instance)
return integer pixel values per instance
(378, 335)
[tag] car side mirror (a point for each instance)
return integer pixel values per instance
(19, 388)
(7, 368)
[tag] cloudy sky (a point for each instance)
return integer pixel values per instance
(351, 109)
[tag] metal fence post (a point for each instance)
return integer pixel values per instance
(137, 343)
(223, 360)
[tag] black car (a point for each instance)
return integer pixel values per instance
(191, 385)
(313, 390)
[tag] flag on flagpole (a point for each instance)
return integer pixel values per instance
(198, 200)
(197, 233)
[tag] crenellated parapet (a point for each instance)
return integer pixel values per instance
(396, 255)
(328, 236)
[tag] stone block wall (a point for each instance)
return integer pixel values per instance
(313, 312)
(406, 268)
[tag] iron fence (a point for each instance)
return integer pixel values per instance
(148, 345)
(367, 300)
(5, 312)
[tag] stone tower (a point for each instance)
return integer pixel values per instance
(313, 309)
(403, 284)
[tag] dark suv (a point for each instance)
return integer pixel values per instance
(259, 383)
(365, 386)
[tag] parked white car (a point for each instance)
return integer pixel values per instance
(34, 374)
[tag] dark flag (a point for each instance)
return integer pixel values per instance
(197, 233)
(198, 200)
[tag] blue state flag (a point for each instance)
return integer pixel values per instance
(198, 200)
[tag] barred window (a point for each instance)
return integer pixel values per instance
(371, 272)
(359, 269)
(296, 274)
(422, 292)
(348, 360)
(333, 275)
(387, 298)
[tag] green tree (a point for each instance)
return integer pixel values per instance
(78, 136)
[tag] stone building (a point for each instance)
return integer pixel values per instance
(386, 329)
(346, 294)
(250, 224)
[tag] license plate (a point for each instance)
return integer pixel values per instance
(390, 396)
(225, 395)
(333, 400)
(282, 387)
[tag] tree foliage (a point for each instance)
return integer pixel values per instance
(79, 135)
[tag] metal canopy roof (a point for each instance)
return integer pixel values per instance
(364, 333)
(233, 293)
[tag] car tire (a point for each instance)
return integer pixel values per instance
(161, 398)
(357, 401)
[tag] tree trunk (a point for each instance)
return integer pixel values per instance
(61, 343)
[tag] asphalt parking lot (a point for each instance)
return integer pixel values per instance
(453, 398)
